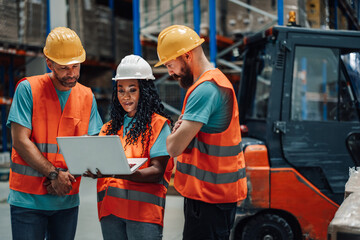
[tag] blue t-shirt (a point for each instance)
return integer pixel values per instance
(159, 147)
(21, 113)
(210, 105)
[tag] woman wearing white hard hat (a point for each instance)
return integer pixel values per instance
(132, 206)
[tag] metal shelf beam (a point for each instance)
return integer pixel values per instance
(197, 19)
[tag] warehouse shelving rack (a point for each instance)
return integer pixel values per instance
(351, 9)
(213, 39)
(15, 57)
(196, 15)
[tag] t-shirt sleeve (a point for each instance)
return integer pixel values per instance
(22, 106)
(159, 147)
(202, 102)
(95, 122)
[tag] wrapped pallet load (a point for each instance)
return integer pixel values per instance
(346, 222)
(83, 20)
(9, 21)
(32, 22)
(105, 32)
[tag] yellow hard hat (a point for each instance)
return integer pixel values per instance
(64, 47)
(174, 41)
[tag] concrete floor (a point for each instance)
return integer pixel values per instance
(88, 224)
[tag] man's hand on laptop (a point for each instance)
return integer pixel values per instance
(62, 185)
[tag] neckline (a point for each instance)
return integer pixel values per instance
(204, 73)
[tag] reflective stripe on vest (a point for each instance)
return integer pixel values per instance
(24, 170)
(164, 182)
(134, 195)
(101, 195)
(29, 171)
(47, 147)
(214, 150)
(210, 177)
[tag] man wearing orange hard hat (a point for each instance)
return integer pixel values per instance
(43, 194)
(210, 168)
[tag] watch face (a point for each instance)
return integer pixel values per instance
(53, 175)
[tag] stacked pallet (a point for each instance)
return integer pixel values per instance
(82, 19)
(8, 21)
(104, 31)
(123, 38)
(32, 22)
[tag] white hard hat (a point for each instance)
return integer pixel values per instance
(133, 67)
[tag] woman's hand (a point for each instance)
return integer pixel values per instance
(98, 174)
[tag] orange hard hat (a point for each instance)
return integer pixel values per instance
(64, 47)
(174, 41)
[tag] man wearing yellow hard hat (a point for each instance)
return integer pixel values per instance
(210, 168)
(43, 194)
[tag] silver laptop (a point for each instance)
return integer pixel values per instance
(103, 152)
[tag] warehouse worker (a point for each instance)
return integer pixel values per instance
(43, 194)
(210, 169)
(132, 206)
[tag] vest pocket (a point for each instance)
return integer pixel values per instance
(71, 127)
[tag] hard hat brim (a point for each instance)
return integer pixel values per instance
(178, 55)
(125, 78)
(75, 60)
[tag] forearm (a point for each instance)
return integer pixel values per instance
(152, 174)
(32, 156)
(179, 140)
(173, 147)
(146, 175)
(28, 151)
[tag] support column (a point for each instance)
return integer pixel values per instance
(212, 26)
(136, 27)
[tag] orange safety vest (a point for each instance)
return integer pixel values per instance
(48, 122)
(142, 202)
(212, 167)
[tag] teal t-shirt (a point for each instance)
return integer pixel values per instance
(21, 113)
(159, 147)
(210, 105)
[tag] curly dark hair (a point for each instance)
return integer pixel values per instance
(149, 103)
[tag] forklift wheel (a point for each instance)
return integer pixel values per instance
(267, 227)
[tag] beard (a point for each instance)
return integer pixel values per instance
(185, 78)
(64, 81)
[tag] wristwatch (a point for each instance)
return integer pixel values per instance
(53, 174)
